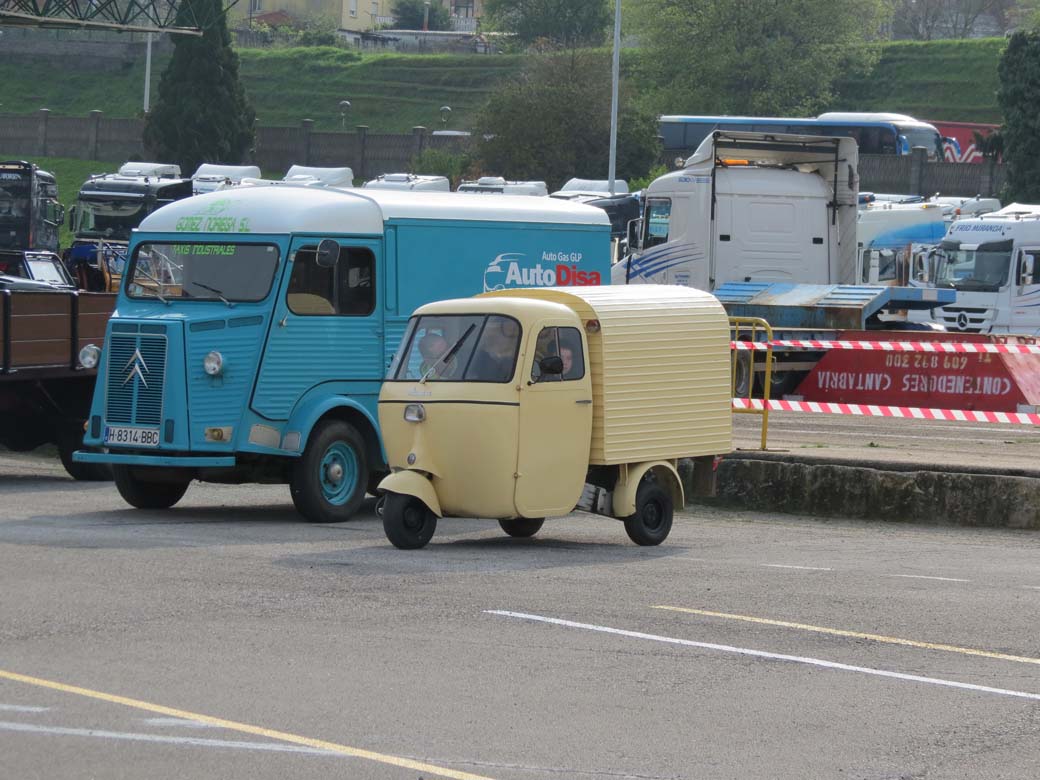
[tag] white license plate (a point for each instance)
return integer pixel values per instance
(134, 437)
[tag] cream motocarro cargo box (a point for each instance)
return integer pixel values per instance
(520, 404)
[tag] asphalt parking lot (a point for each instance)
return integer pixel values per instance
(228, 639)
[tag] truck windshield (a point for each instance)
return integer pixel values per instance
(14, 197)
(112, 219)
(457, 348)
(981, 269)
(198, 272)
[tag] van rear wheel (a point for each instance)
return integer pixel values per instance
(407, 522)
(522, 527)
(329, 480)
(138, 491)
(652, 521)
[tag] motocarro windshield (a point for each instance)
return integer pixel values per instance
(112, 219)
(457, 348)
(202, 271)
(982, 269)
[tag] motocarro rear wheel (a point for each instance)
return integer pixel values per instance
(329, 480)
(407, 522)
(140, 492)
(522, 527)
(652, 520)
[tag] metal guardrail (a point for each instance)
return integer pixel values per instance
(742, 367)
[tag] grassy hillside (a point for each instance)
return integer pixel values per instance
(387, 92)
(954, 80)
(951, 80)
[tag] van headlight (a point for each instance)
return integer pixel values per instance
(213, 363)
(415, 413)
(90, 356)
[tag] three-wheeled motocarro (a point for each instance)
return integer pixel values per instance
(521, 404)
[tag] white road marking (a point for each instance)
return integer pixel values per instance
(196, 724)
(21, 708)
(788, 566)
(924, 577)
(771, 656)
(192, 741)
(1033, 587)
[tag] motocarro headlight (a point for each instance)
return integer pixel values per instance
(90, 356)
(213, 363)
(415, 413)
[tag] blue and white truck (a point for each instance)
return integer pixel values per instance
(254, 326)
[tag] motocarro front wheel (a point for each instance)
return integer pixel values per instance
(652, 520)
(522, 527)
(329, 480)
(407, 522)
(143, 493)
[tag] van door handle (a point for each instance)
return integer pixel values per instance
(584, 401)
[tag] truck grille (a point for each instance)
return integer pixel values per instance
(136, 378)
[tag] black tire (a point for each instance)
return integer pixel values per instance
(652, 521)
(522, 527)
(68, 442)
(743, 375)
(329, 480)
(144, 494)
(407, 522)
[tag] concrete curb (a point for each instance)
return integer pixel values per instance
(873, 490)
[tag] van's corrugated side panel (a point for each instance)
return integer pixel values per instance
(660, 371)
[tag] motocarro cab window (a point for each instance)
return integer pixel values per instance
(658, 215)
(565, 342)
(346, 288)
(457, 348)
(203, 271)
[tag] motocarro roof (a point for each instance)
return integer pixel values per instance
(660, 369)
(298, 209)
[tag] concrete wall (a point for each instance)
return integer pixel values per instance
(97, 137)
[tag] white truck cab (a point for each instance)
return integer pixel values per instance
(212, 178)
(496, 185)
(993, 262)
(750, 207)
(409, 181)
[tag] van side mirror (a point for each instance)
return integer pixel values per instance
(635, 227)
(551, 365)
(72, 217)
(328, 253)
(1025, 269)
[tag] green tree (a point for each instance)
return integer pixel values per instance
(202, 113)
(1018, 97)
(756, 57)
(408, 15)
(553, 123)
(564, 24)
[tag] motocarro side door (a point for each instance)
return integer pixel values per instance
(328, 326)
(555, 421)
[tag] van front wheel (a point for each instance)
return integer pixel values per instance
(652, 521)
(328, 481)
(407, 522)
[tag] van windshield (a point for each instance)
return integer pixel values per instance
(979, 269)
(457, 348)
(202, 271)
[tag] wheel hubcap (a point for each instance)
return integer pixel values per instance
(339, 473)
(652, 516)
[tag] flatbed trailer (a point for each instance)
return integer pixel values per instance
(45, 393)
(851, 344)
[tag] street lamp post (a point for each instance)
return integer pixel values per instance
(344, 106)
(445, 113)
(615, 73)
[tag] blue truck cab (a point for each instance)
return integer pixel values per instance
(253, 328)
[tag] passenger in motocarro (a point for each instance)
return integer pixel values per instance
(564, 342)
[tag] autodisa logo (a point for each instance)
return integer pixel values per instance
(559, 270)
